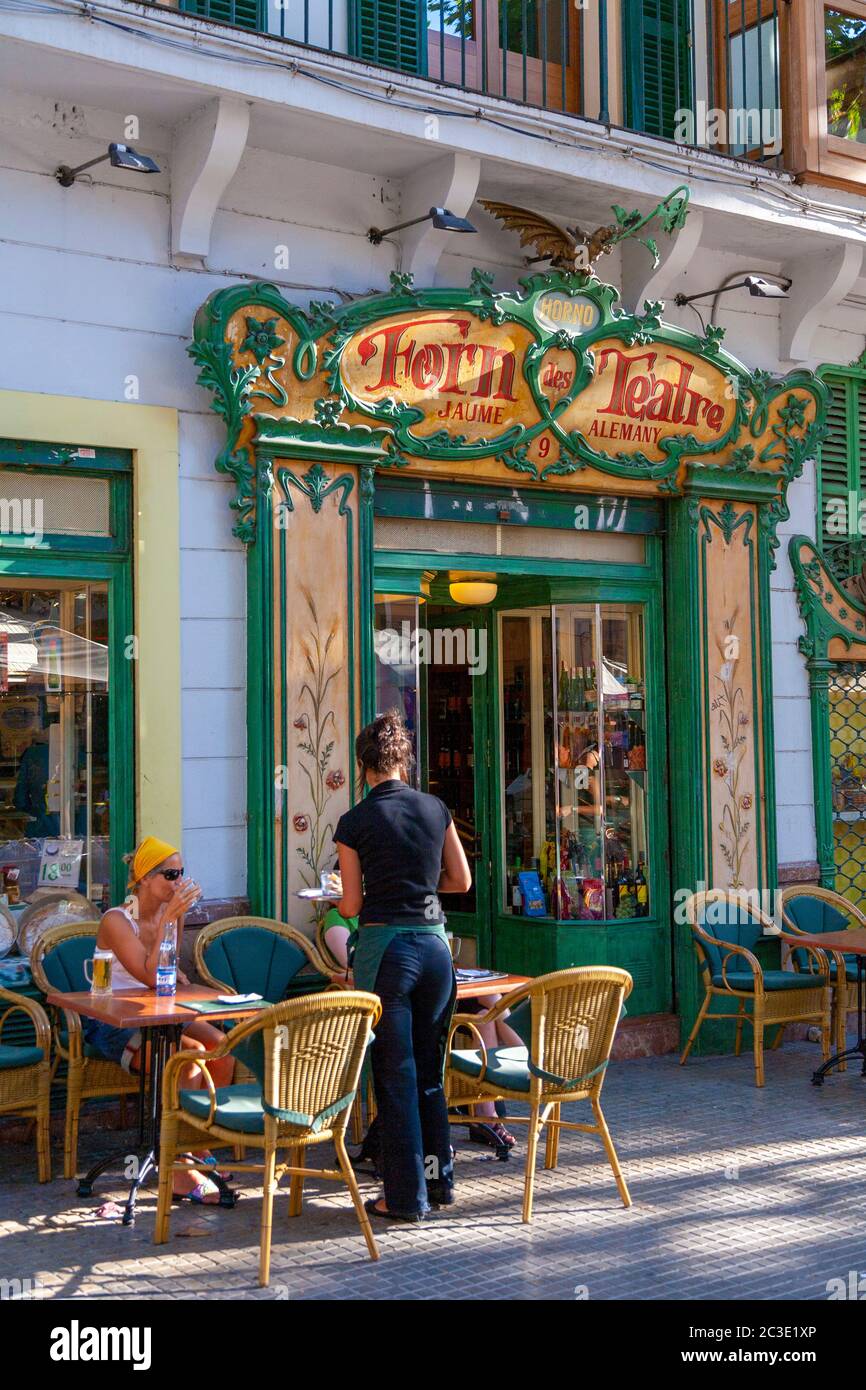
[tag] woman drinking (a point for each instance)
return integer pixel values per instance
(398, 851)
(158, 898)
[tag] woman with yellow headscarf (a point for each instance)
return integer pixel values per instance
(159, 895)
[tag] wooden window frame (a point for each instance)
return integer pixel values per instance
(813, 151)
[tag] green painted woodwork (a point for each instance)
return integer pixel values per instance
(841, 472)
(400, 495)
(531, 946)
(752, 463)
(657, 64)
(92, 560)
(245, 14)
(390, 32)
(828, 612)
(234, 379)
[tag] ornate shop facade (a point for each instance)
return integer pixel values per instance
(545, 529)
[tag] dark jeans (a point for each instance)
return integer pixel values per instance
(415, 984)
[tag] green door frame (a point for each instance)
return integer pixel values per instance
(95, 560)
(554, 945)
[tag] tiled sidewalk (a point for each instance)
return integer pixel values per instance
(738, 1194)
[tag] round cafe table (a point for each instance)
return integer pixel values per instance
(161, 1020)
(851, 942)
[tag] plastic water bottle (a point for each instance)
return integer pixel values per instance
(166, 966)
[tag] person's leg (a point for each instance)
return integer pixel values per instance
(221, 1071)
(395, 1081)
(431, 1009)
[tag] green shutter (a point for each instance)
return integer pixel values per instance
(245, 14)
(657, 64)
(392, 33)
(842, 457)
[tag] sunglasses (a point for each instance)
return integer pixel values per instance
(172, 874)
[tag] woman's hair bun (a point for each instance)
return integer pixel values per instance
(385, 745)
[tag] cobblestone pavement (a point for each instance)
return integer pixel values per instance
(738, 1194)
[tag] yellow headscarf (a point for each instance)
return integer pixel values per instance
(149, 854)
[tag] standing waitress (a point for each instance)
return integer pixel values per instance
(398, 851)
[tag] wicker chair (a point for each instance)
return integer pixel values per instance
(244, 955)
(574, 1016)
(778, 997)
(307, 1055)
(57, 962)
(813, 910)
(25, 1074)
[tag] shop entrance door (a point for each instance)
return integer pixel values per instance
(455, 756)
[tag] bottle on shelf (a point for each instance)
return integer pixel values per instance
(641, 890)
(516, 895)
(626, 899)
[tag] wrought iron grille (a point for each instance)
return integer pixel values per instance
(848, 771)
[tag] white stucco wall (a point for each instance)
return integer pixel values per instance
(90, 298)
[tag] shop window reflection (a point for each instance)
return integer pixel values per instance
(395, 648)
(572, 702)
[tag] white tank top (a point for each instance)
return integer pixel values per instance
(120, 976)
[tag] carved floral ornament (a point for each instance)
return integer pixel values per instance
(834, 616)
(551, 382)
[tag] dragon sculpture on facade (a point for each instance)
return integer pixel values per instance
(571, 248)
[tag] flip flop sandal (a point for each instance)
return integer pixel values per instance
(209, 1162)
(492, 1134)
(393, 1215)
(205, 1189)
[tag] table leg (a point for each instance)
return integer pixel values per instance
(859, 1049)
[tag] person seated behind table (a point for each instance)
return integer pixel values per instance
(158, 896)
(336, 933)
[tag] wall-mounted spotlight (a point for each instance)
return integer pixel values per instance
(442, 219)
(120, 156)
(757, 286)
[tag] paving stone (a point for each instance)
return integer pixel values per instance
(738, 1193)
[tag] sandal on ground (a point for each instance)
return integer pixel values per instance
(202, 1191)
(409, 1220)
(440, 1194)
(493, 1134)
(210, 1162)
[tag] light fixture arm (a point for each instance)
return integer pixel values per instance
(377, 235)
(66, 176)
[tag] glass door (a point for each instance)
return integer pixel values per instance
(55, 810)
(457, 753)
(573, 749)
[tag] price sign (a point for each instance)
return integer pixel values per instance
(60, 864)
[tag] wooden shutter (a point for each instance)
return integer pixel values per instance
(658, 64)
(245, 14)
(392, 33)
(842, 459)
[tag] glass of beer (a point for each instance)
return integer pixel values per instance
(98, 971)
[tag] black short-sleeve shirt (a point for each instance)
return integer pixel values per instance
(398, 835)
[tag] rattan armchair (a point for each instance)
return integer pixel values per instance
(574, 1016)
(242, 955)
(778, 997)
(808, 909)
(306, 1055)
(57, 962)
(25, 1074)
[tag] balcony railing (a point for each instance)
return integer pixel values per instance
(726, 75)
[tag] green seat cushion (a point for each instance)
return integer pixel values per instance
(64, 964)
(816, 917)
(773, 980)
(18, 1056)
(255, 960)
(850, 970)
(238, 1107)
(728, 922)
(506, 1066)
